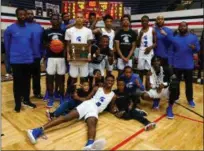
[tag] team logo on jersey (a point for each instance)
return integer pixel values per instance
(78, 38)
(129, 85)
(55, 37)
(126, 39)
(102, 99)
(145, 37)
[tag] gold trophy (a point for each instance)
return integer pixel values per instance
(78, 52)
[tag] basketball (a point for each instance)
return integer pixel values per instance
(56, 46)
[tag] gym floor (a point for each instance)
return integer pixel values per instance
(184, 132)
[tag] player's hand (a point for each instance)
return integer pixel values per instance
(115, 109)
(125, 60)
(163, 32)
(193, 47)
(147, 50)
(137, 83)
(68, 57)
(161, 86)
(119, 114)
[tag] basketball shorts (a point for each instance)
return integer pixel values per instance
(78, 69)
(56, 66)
(144, 60)
(93, 66)
(164, 94)
(105, 64)
(87, 109)
(121, 64)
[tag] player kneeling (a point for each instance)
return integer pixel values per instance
(157, 89)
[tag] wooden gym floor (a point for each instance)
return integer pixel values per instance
(184, 132)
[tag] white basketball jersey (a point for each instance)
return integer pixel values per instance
(147, 39)
(102, 100)
(78, 35)
(156, 80)
(111, 36)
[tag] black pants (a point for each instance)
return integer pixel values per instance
(165, 65)
(35, 74)
(188, 77)
(21, 83)
(133, 114)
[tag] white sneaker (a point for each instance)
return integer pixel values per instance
(177, 101)
(99, 144)
(87, 148)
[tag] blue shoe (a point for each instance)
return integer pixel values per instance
(50, 102)
(169, 113)
(191, 103)
(46, 97)
(57, 95)
(156, 104)
(34, 134)
(61, 99)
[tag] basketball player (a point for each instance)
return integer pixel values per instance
(125, 41)
(158, 89)
(146, 44)
(19, 49)
(185, 45)
(78, 35)
(163, 45)
(55, 60)
(99, 55)
(108, 20)
(66, 21)
(35, 69)
(76, 97)
(133, 84)
(125, 106)
(88, 110)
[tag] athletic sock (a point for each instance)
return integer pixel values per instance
(90, 141)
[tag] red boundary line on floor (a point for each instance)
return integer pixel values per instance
(134, 135)
(189, 118)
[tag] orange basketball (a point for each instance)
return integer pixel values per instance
(56, 46)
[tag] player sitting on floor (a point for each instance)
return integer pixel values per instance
(125, 107)
(88, 110)
(157, 89)
(133, 84)
(77, 97)
(98, 80)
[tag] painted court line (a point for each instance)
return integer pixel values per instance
(189, 118)
(134, 135)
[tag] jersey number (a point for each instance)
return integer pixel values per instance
(145, 41)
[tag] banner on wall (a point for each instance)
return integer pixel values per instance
(127, 10)
(49, 9)
(38, 8)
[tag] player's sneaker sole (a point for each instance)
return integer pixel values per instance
(31, 137)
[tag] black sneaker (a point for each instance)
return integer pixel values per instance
(17, 110)
(29, 104)
(38, 96)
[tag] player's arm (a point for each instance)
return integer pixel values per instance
(93, 92)
(45, 40)
(140, 38)
(67, 49)
(148, 83)
(7, 42)
(113, 108)
(117, 44)
(68, 42)
(154, 39)
(132, 50)
(96, 31)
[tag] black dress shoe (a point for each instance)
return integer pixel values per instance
(17, 110)
(29, 104)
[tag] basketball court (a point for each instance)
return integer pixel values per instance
(184, 132)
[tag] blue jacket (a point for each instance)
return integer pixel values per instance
(38, 46)
(18, 44)
(163, 44)
(182, 54)
(130, 85)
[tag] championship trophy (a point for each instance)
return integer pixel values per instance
(78, 52)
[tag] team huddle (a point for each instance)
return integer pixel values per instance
(159, 60)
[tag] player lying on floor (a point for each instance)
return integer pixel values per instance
(157, 89)
(76, 97)
(125, 107)
(88, 110)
